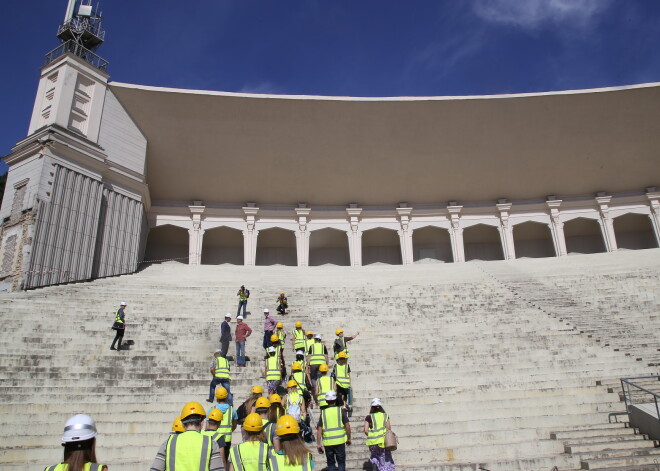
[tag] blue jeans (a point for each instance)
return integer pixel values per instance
(240, 353)
(224, 382)
(267, 343)
(244, 304)
(338, 453)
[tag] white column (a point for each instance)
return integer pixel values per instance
(354, 235)
(405, 234)
(302, 235)
(250, 235)
(456, 232)
(506, 231)
(195, 233)
(654, 205)
(605, 221)
(556, 227)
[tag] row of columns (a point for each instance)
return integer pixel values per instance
(354, 233)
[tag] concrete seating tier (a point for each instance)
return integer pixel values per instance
(503, 365)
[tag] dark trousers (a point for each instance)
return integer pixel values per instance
(224, 382)
(336, 454)
(244, 304)
(267, 342)
(224, 347)
(118, 338)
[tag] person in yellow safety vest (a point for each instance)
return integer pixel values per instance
(243, 295)
(119, 326)
(275, 411)
(229, 417)
(324, 383)
(177, 426)
(342, 375)
(309, 339)
(189, 450)
(317, 355)
(341, 342)
(272, 371)
(262, 407)
(211, 429)
(333, 433)
(293, 454)
(294, 401)
(79, 442)
(298, 337)
(300, 358)
(282, 303)
(376, 425)
(279, 349)
(281, 334)
(220, 370)
(252, 454)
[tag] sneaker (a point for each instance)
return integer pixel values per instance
(113, 348)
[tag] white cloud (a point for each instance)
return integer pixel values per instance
(534, 14)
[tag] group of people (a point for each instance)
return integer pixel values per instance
(276, 427)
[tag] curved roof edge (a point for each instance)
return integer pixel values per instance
(395, 98)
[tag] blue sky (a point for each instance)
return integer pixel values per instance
(344, 47)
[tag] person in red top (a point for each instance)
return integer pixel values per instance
(243, 331)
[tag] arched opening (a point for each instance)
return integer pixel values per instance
(583, 236)
(533, 240)
(329, 247)
(482, 242)
(432, 244)
(166, 243)
(381, 245)
(276, 246)
(222, 245)
(634, 232)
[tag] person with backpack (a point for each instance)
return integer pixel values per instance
(295, 406)
(243, 295)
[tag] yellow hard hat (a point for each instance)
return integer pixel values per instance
(280, 325)
(287, 425)
(216, 414)
(292, 383)
(253, 423)
(274, 338)
(309, 332)
(298, 324)
(341, 355)
(177, 426)
(192, 408)
(221, 393)
(323, 368)
(296, 366)
(275, 398)
(262, 403)
(257, 389)
(339, 331)
(281, 292)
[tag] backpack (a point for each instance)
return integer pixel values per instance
(247, 293)
(294, 411)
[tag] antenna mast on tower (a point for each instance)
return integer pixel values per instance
(81, 34)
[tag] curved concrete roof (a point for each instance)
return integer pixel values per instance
(234, 148)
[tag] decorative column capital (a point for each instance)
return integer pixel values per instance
(654, 199)
(603, 201)
(354, 215)
(404, 212)
(302, 211)
(250, 210)
(454, 210)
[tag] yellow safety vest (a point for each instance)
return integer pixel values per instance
(342, 376)
(273, 372)
(118, 317)
(242, 296)
(317, 357)
(325, 384)
(376, 434)
(308, 343)
(334, 432)
(222, 368)
(299, 378)
(280, 463)
(250, 456)
(299, 339)
(269, 430)
(281, 334)
(188, 451)
(214, 434)
(225, 424)
(65, 467)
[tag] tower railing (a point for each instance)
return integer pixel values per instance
(77, 50)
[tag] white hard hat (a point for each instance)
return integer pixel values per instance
(239, 317)
(266, 310)
(271, 349)
(375, 402)
(123, 303)
(228, 315)
(300, 352)
(318, 336)
(330, 396)
(79, 428)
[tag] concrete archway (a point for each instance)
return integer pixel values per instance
(276, 246)
(533, 240)
(432, 244)
(167, 242)
(381, 245)
(583, 236)
(329, 247)
(634, 231)
(222, 245)
(482, 242)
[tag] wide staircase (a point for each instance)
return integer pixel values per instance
(496, 366)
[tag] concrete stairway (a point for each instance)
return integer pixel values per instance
(477, 363)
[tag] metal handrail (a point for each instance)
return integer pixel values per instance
(79, 51)
(627, 383)
(78, 24)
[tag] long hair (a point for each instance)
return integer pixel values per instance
(256, 436)
(249, 402)
(76, 454)
(376, 409)
(294, 448)
(275, 412)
